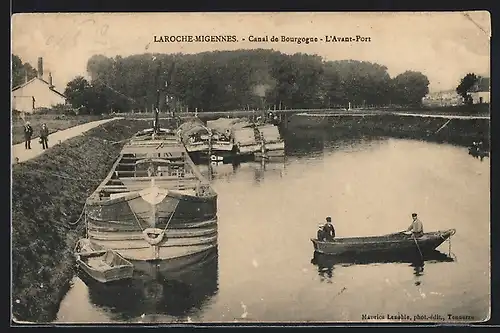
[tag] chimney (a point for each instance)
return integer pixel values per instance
(50, 81)
(40, 68)
(25, 76)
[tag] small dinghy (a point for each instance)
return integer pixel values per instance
(103, 265)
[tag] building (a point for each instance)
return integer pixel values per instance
(36, 93)
(480, 97)
(442, 98)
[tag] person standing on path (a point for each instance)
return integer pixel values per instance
(44, 136)
(28, 133)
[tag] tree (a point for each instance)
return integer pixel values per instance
(409, 88)
(228, 80)
(79, 94)
(467, 84)
(21, 72)
(17, 71)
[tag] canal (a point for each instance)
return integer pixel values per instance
(265, 269)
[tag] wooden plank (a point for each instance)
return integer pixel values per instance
(172, 242)
(110, 225)
(137, 235)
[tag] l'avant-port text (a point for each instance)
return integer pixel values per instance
(347, 39)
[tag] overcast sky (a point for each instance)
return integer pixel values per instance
(443, 46)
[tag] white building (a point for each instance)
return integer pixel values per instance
(442, 98)
(480, 97)
(36, 93)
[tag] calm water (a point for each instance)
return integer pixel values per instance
(267, 213)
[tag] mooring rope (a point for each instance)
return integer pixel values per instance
(171, 215)
(81, 214)
(450, 254)
(137, 220)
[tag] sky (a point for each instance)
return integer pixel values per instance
(444, 46)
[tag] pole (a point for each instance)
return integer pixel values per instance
(418, 247)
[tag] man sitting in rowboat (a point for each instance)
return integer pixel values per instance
(416, 227)
(321, 234)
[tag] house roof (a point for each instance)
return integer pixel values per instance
(37, 78)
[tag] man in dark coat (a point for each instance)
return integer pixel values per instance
(28, 133)
(321, 234)
(328, 229)
(44, 136)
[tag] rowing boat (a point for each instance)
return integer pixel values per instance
(477, 152)
(103, 265)
(398, 242)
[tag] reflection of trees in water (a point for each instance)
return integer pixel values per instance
(316, 141)
(176, 294)
(300, 142)
(326, 264)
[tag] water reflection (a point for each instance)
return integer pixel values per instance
(180, 293)
(268, 212)
(327, 264)
(274, 167)
(315, 142)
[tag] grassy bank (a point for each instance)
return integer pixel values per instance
(465, 110)
(457, 131)
(47, 193)
(54, 123)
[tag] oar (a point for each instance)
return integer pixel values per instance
(418, 247)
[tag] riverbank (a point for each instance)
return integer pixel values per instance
(454, 131)
(459, 110)
(48, 193)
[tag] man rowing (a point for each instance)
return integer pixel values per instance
(416, 227)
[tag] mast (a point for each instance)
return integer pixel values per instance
(156, 124)
(162, 88)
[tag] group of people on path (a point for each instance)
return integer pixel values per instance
(326, 232)
(28, 135)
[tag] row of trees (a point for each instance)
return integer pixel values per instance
(229, 80)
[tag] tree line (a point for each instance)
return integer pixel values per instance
(235, 80)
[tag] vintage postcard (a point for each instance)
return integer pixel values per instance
(251, 168)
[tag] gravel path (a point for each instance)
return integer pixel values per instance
(20, 154)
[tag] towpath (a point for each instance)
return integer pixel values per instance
(404, 114)
(20, 154)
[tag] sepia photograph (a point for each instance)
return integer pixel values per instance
(250, 167)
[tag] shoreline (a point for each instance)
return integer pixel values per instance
(459, 110)
(56, 184)
(458, 131)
